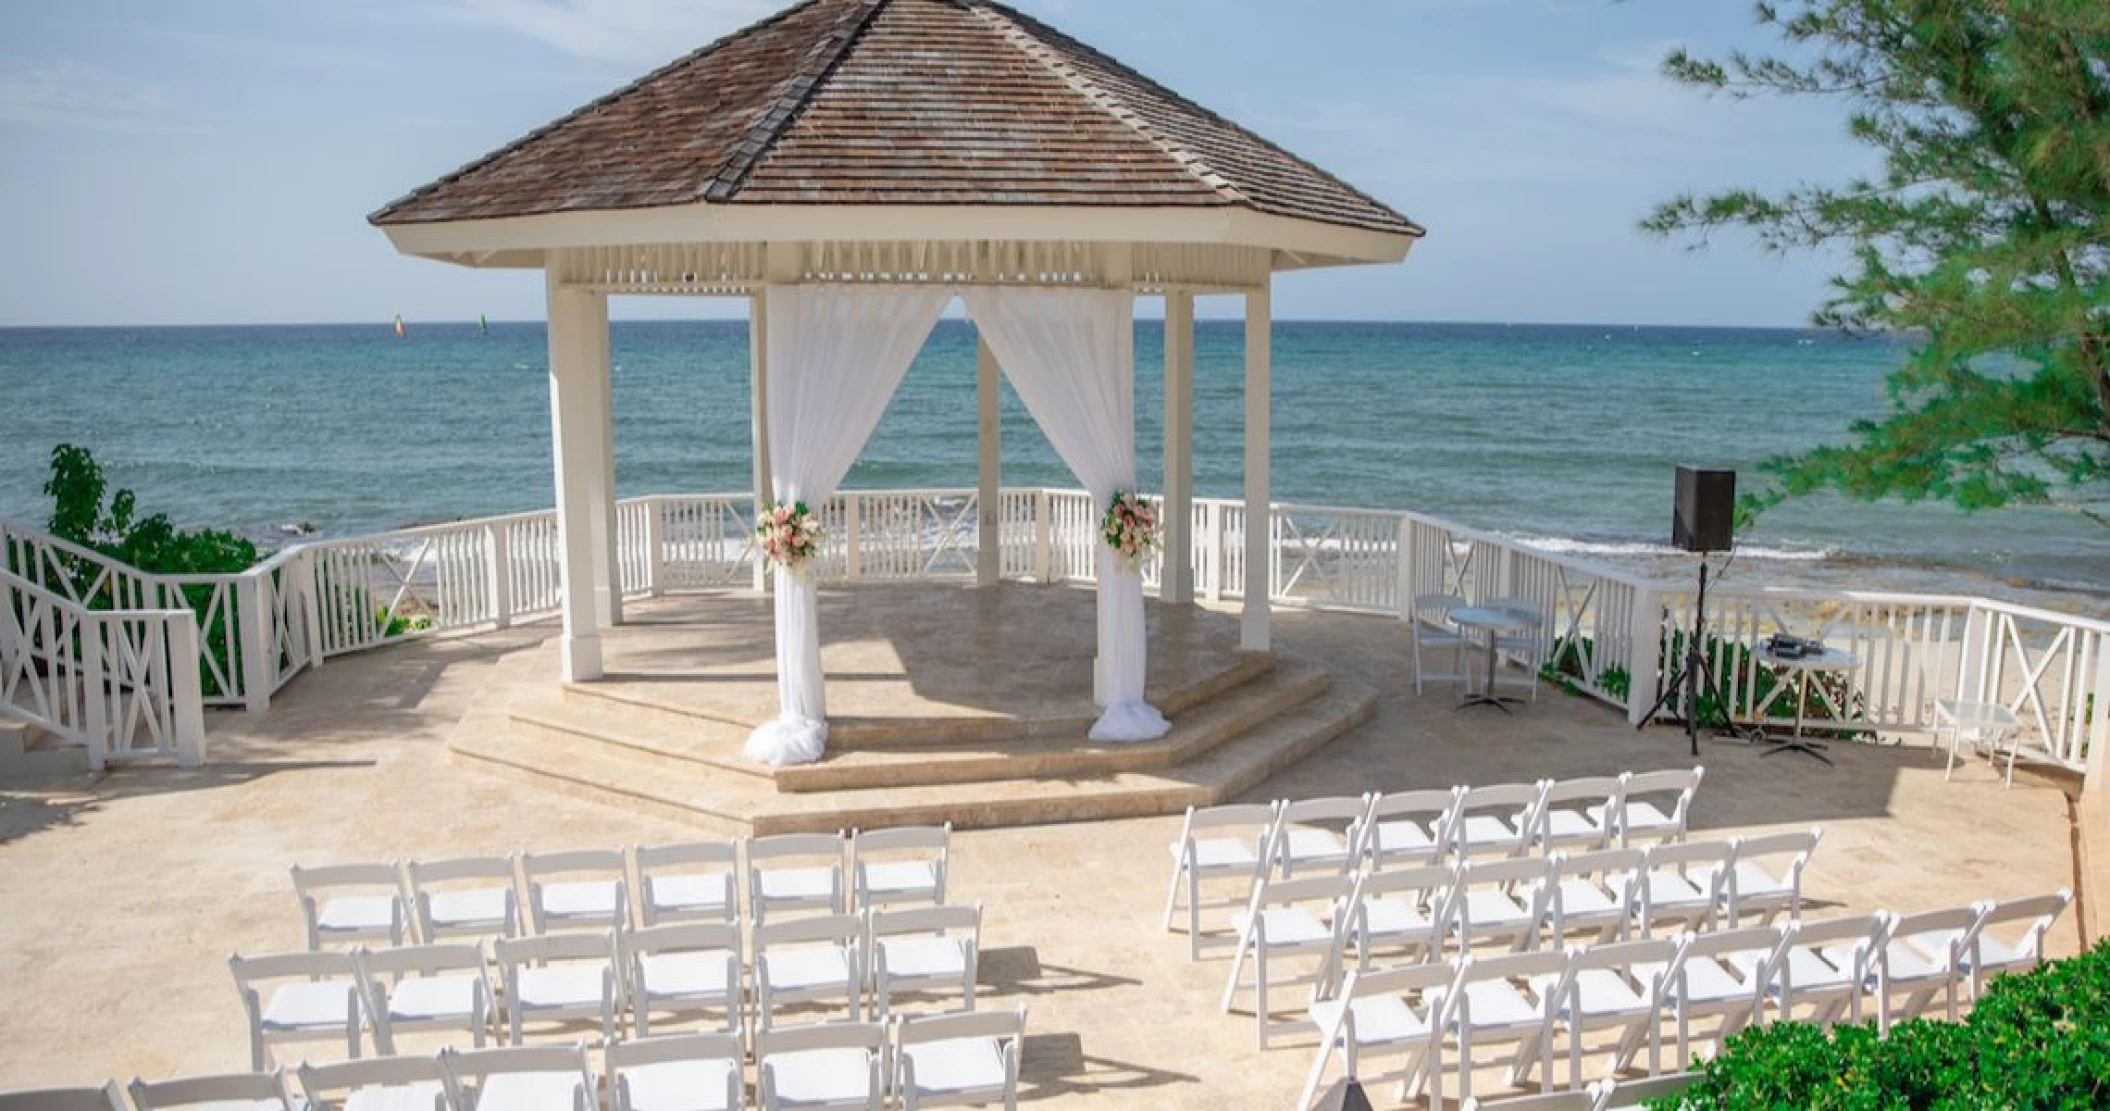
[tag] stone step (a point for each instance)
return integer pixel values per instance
(27, 752)
(748, 804)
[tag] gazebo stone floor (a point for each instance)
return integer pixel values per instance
(126, 892)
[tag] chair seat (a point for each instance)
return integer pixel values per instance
(1564, 824)
(1495, 908)
(533, 1091)
(1601, 992)
(425, 1095)
(1379, 1019)
(1672, 890)
(1808, 969)
(1287, 926)
(1995, 953)
(472, 907)
(1706, 981)
(577, 984)
(804, 968)
(1487, 829)
(1908, 962)
(1305, 844)
(1584, 899)
(1393, 917)
(312, 1005)
(1400, 837)
(805, 884)
(373, 915)
(237, 1105)
(685, 975)
(957, 1065)
(1221, 852)
(697, 891)
(432, 997)
(579, 899)
(679, 1086)
(1641, 815)
(902, 877)
(924, 958)
(1494, 1004)
(822, 1075)
(1754, 883)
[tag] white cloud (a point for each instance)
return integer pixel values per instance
(67, 93)
(615, 31)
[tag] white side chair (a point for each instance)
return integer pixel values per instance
(520, 1078)
(1618, 986)
(890, 867)
(1754, 886)
(1383, 1013)
(312, 996)
(560, 978)
(1410, 828)
(1828, 965)
(465, 897)
(581, 889)
(1723, 975)
(1655, 806)
(808, 960)
(1220, 845)
(959, 1060)
(923, 950)
(241, 1091)
(425, 987)
(1305, 840)
(1503, 901)
(1681, 883)
(1294, 919)
(1571, 813)
(1528, 644)
(109, 1097)
(1579, 1099)
(1986, 951)
(352, 903)
(1428, 624)
(794, 873)
(1923, 958)
(684, 1072)
(1988, 725)
(684, 970)
(692, 881)
(1402, 912)
(376, 1084)
(1498, 819)
(836, 1066)
(1597, 893)
(1495, 1001)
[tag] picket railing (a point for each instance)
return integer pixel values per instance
(1606, 633)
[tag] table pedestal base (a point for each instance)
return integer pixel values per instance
(1793, 744)
(1498, 701)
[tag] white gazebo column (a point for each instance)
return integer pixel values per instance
(758, 407)
(608, 572)
(1253, 621)
(988, 429)
(1176, 576)
(577, 385)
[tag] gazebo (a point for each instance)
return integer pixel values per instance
(849, 167)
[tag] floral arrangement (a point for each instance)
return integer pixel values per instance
(789, 535)
(1130, 527)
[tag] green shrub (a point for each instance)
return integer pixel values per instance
(152, 544)
(2038, 1040)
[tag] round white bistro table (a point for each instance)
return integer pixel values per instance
(1830, 659)
(1490, 621)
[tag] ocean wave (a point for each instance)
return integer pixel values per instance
(1630, 549)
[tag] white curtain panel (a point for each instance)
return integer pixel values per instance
(835, 356)
(1069, 354)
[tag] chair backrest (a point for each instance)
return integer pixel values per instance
(672, 857)
(319, 1081)
(283, 966)
(458, 1065)
(1624, 1095)
(191, 1091)
(683, 937)
(869, 1036)
(1530, 871)
(1863, 934)
(106, 1098)
(1330, 887)
(1797, 844)
(1949, 924)
(459, 870)
(841, 929)
(673, 1047)
(423, 960)
(1331, 808)
(1607, 790)
(1683, 784)
(2039, 911)
(783, 846)
(926, 839)
(1431, 807)
(1511, 966)
(965, 920)
(1765, 943)
(1516, 803)
(1684, 856)
(1003, 1025)
(1430, 883)
(1604, 864)
(1661, 952)
(310, 881)
(591, 945)
(1251, 816)
(604, 863)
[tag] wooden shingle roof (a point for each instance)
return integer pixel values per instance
(892, 102)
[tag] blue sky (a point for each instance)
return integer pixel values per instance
(212, 161)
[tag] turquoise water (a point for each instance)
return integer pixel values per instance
(1566, 434)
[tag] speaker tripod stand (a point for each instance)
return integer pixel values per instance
(1687, 679)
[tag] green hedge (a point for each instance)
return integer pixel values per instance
(2036, 1040)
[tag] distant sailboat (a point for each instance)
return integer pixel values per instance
(483, 324)
(399, 325)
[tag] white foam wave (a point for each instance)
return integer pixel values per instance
(1630, 549)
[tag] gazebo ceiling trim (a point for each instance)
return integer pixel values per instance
(893, 120)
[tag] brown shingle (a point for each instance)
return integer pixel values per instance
(851, 102)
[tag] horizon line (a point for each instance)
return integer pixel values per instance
(470, 322)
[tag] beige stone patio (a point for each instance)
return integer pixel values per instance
(123, 896)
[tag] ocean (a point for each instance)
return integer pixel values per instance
(1562, 434)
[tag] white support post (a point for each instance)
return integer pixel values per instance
(655, 546)
(989, 496)
(186, 697)
(2099, 723)
(575, 426)
(758, 416)
(1645, 640)
(1043, 538)
(1176, 578)
(1406, 568)
(95, 694)
(853, 536)
(311, 606)
(500, 570)
(1254, 618)
(253, 605)
(607, 568)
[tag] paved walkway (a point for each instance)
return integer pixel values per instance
(123, 896)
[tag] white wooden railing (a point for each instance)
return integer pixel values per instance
(1607, 632)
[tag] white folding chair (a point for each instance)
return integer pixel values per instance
(1985, 952)
(1681, 883)
(1402, 911)
(835, 1066)
(1526, 644)
(1618, 986)
(1498, 819)
(354, 903)
(241, 1091)
(808, 960)
(520, 1078)
(1750, 886)
(1580, 1099)
(685, 969)
(1410, 827)
(923, 951)
(1377, 1013)
(889, 867)
(1495, 1000)
(1655, 806)
(1922, 958)
(1828, 964)
(466, 897)
(1571, 813)
(1722, 975)
(1237, 853)
(313, 995)
(581, 889)
(425, 987)
(375, 1084)
(684, 1072)
(1428, 623)
(1305, 841)
(109, 1097)
(1290, 919)
(1597, 893)
(1499, 901)
(794, 872)
(692, 881)
(560, 978)
(959, 1060)
(1639, 1092)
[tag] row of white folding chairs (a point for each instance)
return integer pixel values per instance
(1240, 842)
(435, 900)
(922, 1061)
(1897, 963)
(1604, 1095)
(665, 973)
(1420, 914)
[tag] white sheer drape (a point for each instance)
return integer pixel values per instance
(835, 355)
(1068, 353)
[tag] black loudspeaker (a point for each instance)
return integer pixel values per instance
(1704, 519)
